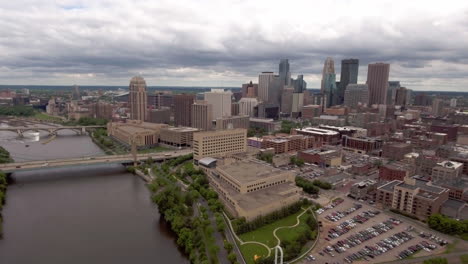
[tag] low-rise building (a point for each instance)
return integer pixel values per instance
(241, 121)
(447, 171)
(177, 136)
(250, 188)
(395, 171)
(396, 151)
(328, 120)
(363, 190)
(282, 143)
(329, 137)
(268, 125)
(142, 133)
(413, 196)
(455, 209)
(361, 144)
(322, 157)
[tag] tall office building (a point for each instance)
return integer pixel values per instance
(377, 80)
(299, 84)
(284, 73)
(249, 89)
(329, 83)
(349, 75)
(287, 100)
(264, 81)
(401, 96)
(274, 90)
(202, 115)
(183, 109)
(137, 98)
(247, 105)
(393, 87)
(356, 94)
(437, 107)
(221, 102)
(328, 67)
(76, 95)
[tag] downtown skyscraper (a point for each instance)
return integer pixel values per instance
(377, 80)
(328, 87)
(284, 73)
(137, 98)
(349, 75)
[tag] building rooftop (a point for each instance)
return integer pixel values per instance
(245, 171)
(450, 164)
(181, 129)
(454, 204)
(314, 130)
(389, 185)
(340, 129)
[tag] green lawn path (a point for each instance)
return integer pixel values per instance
(250, 250)
(265, 234)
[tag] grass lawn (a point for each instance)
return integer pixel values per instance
(250, 250)
(265, 234)
(464, 259)
(292, 233)
(46, 117)
(155, 149)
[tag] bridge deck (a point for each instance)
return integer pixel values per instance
(17, 166)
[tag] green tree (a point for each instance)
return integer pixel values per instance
(232, 257)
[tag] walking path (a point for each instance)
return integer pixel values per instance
(281, 227)
(274, 232)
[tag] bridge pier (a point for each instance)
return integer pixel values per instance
(83, 131)
(20, 132)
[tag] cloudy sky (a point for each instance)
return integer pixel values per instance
(226, 43)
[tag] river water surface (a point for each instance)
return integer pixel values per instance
(89, 214)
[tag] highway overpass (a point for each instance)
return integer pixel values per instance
(122, 159)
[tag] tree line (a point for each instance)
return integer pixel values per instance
(3, 188)
(448, 225)
(5, 156)
(17, 110)
(241, 226)
(312, 187)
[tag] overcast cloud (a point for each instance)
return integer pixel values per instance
(227, 43)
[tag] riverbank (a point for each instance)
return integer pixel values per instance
(192, 210)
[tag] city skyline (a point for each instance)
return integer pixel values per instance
(88, 42)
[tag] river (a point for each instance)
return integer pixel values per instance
(90, 214)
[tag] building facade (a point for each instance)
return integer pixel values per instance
(377, 80)
(219, 143)
(183, 109)
(137, 98)
(356, 95)
(202, 115)
(221, 102)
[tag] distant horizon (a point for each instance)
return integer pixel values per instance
(4, 86)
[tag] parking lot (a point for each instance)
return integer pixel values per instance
(354, 232)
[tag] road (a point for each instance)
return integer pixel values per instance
(42, 164)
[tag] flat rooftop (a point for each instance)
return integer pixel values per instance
(246, 171)
(181, 129)
(257, 199)
(389, 186)
(318, 131)
(134, 129)
(450, 164)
